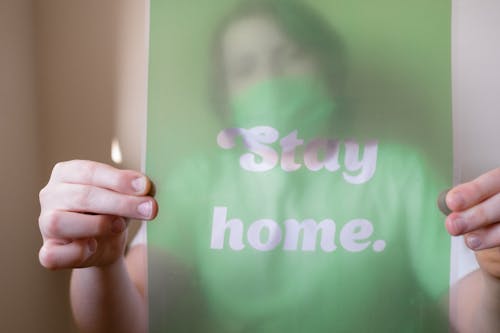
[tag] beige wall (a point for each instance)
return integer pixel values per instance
(476, 86)
(476, 105)
(77, 78)
(31, 300)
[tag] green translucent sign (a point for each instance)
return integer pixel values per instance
(298, 148)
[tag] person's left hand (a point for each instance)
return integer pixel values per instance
(475, 214)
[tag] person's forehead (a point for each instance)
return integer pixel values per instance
(257, 31)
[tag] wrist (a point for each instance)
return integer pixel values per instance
(109, 271)
(109, 267)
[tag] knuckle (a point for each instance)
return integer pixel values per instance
(47, 193)
(87, 171)
(42, 195)
(474, 189)
(41, 223)
(58, 166)
(122, 179)
(119, 180)
(58, 169)
(51, 224)
(79, 169)
(479, 215)
(127, 206)
(83, 198)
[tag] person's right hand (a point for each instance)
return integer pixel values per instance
(83, 214)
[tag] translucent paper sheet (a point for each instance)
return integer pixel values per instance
(298, 148)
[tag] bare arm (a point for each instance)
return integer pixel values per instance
(477, 304)
(82, 222)
(111, 299)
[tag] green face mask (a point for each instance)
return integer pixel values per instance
(286, 104)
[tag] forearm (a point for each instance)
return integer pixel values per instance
(106, 300)
(477, 305)
(487, 315)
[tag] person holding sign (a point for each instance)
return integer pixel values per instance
(324, 259)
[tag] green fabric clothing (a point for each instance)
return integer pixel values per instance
(380, 262)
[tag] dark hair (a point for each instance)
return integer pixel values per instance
(302, 25)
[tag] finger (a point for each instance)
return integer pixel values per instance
(484, 238)
(91, 199)
(469, 194)
(59, 254)
(479, 216)
(101, 175)
(69, 225)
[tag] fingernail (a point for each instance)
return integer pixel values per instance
(455, 200)
(118, 225)
(473, 242)
(139, 184)
(145, 209)
(92, 243)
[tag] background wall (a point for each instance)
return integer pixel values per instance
(72, 76)
(476, 86)
(27, 298)
(476, 103)
(76, 59)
